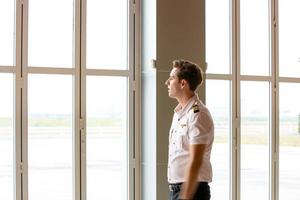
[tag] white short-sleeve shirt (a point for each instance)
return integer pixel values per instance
(192, 124)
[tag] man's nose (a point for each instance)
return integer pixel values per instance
(167, 82)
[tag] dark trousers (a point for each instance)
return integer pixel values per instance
(202, 192)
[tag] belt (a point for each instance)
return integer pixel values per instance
(177, 186)
(174, 186)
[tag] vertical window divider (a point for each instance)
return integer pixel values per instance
(20, 102)
(274, 105)
(83, 96)
(131, 109)
(17, 104)
(235, 103)
(137, 98)
(76, 106)
(79, 103)
(24, 97)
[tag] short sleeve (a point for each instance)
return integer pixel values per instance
(200, 128)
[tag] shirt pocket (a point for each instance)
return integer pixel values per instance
(181, 137)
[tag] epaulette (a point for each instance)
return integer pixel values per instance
(195, 108)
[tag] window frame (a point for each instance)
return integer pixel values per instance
(235, 78)
(79, 73)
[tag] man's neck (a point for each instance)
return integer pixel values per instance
(183, 101)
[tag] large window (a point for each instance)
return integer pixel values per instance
(263, 133)
(67, 100)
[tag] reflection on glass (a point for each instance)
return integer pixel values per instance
(254, 140)
(218, 102)
(50, 137)
(254, 37)
(7, 24)
(50, 33)
(217, 36)
(107, 138)
(106, 34)
(289, 41)
(6, 136)
(289, 139)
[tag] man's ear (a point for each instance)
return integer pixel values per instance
(183, 83)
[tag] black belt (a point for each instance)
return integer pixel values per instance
(174, 186)
(177, 186)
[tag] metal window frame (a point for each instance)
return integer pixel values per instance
(7, 69)
(20, 103)
(79, 127)
(79, 73)
(18, 174)
(274, 104)
(273, 79)
(235, 139)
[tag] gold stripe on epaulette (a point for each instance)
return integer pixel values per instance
(195, 108)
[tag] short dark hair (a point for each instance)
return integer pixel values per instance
(190, 72)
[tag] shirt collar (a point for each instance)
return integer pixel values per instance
(182, 111)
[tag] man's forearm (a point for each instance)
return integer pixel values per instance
(190, 184)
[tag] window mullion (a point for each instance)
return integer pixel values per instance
(17, 104)
(235, 102)
(137, 98)
(79, 127)
(274, 105)
(130, 135)
(20, 107)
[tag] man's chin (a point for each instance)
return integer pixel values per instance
(171, 96)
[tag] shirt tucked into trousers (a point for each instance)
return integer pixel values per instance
(202, 192)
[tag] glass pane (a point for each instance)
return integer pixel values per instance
(50, 137)
(6, 136)
(107, 138)
(106, 34)
(50, 33)
(254, 37)
(220, 110)
(217, 45)
(7, 23)
(289, 41)
(254, 140)
(289, 139)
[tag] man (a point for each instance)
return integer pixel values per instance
(191, 136)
